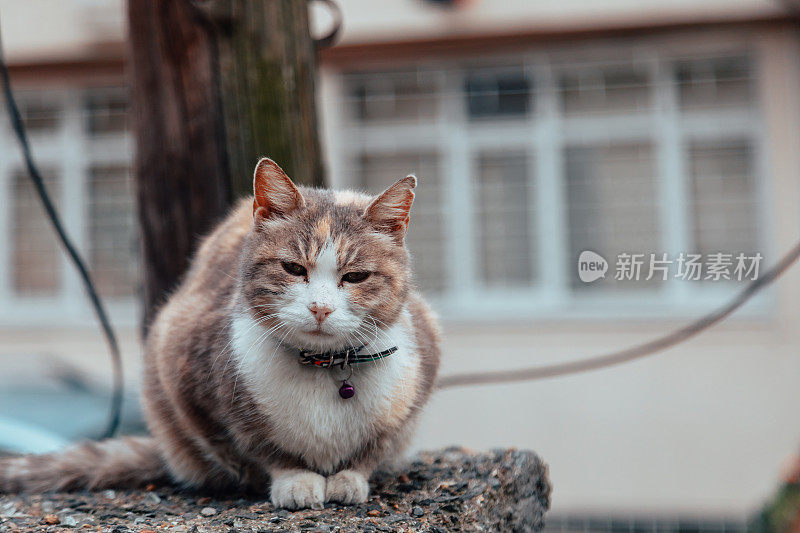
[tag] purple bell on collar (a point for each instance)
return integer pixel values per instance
(346, 390)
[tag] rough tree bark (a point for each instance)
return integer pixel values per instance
(268, 65)
(181, 167)
(215, 85)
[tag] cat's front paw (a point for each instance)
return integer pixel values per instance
(298, 489)
(347, 486)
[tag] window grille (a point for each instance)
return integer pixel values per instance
(35, 250)
(536, 161)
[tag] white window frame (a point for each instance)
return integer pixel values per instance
(70, 151)
(544, 133)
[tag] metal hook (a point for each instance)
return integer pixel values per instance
(328, 40)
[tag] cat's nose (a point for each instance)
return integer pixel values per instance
(320, 311)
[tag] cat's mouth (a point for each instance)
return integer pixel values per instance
(318, 333)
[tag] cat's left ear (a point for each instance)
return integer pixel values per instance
(390, 212)
(275, 194)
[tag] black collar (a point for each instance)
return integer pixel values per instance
(343, 358)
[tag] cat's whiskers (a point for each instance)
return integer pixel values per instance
(364, 340)
(378, 320)
(255, 323)
(258, 344)
(228, 275)
(264, 306)
(384, 334)
(231, 352)
(262, 337)
(278, 344)
(228, 326)
(379, 335)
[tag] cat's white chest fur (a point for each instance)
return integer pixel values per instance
(307, 416)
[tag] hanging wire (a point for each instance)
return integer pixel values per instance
(115, 410)
(629, 354)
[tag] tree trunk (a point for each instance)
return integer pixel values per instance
(268, 64)
(215, 85)
(181, 166)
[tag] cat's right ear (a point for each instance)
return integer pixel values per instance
(275, 194)
(390, 212)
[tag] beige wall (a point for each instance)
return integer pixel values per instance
(68, 29)
(701, 428)
(367, 20)
(56, 30)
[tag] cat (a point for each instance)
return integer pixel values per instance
(237, 390)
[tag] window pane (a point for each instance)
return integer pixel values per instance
(605, 89)
(425, 236)
(504, 219)
(36, 270)
(393, 96)
(113, 251)
(40, 112)
(611, 191)
(724, 197)
(715, 82)
(498, 93)
(106, 111)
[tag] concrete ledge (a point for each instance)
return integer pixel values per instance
(439, 491)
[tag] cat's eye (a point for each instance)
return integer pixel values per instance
(294, 269)
(355, 277)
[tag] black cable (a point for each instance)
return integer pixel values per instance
(69, 247)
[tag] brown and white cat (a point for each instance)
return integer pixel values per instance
(226, 400)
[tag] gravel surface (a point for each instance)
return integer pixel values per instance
(441, 491)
